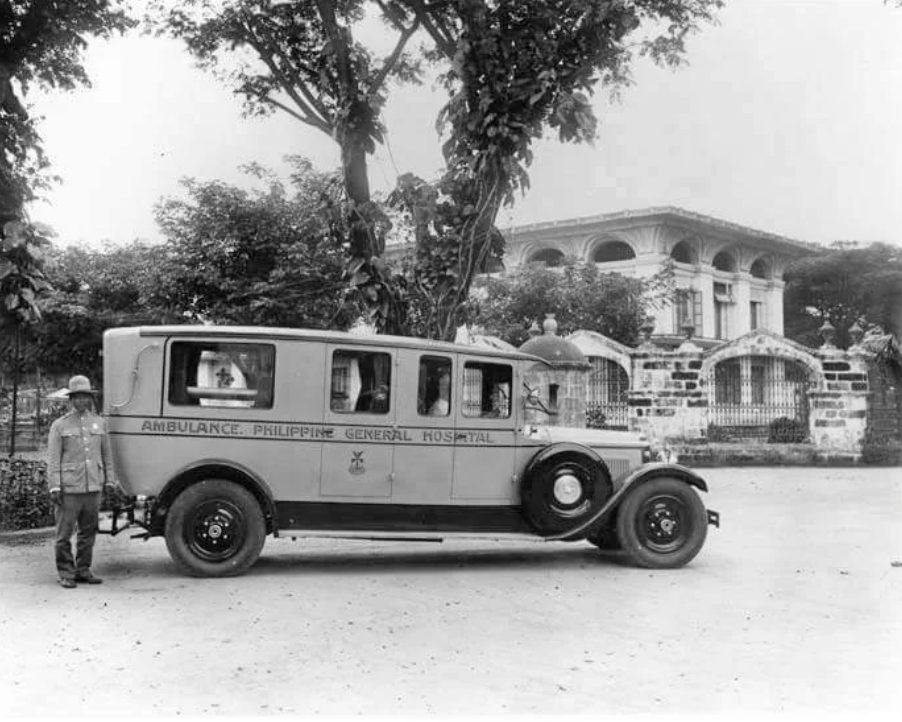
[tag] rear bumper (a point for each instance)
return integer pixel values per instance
(136, 513)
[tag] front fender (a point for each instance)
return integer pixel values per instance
(564, 447)
(637, 476)
(660, 468)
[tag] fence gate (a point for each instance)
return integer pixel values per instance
(609, 386)
(759, 398)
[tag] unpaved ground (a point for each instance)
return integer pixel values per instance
(794, 605)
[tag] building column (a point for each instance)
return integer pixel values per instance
(704, 282)
(773, 306)
(742, 314)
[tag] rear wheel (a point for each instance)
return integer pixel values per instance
(563, 491)
(215, 529)
(662, 524)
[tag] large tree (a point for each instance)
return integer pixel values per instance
(302, 58)
(845, 284)
(513, 70)
(265, 257)
(41, 43)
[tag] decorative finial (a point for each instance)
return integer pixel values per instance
(534, 330)
(856, 333)
(828, 333)
(550, 325)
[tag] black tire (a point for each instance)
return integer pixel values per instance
(662, 524)
(563, 491)
(215, 528)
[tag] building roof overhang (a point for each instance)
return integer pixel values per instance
(691, 222)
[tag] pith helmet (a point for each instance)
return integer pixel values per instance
(80, 385)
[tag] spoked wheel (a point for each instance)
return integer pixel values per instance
(662, 524)
(563, 491)
(215, 529)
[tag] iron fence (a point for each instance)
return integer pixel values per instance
(759, 398)
(609, 385)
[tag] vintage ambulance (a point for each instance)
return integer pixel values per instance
(223, 435)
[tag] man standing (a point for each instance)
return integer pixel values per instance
(79, 463)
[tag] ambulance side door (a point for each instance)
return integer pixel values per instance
(360, 405)
(424, 452)
(485, 430)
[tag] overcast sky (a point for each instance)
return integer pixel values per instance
(786, 120)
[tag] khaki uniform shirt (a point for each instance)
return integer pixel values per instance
(79, 459)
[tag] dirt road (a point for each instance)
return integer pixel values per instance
(794, 605)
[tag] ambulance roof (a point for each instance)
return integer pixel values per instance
(269, 333)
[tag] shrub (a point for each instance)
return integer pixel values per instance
(595, 417)
(784, 430)
(24, 501)
(24, 497)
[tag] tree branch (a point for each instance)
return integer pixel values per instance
(393, 58)
(313, 118)
(437, 30)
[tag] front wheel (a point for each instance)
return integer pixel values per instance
(662, 524)
(215, 528)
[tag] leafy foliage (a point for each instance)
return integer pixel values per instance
(24, 501)
(515, 70)
(256, 257)
(845, 284)
(580, 296)
(93, 290)
(21, 277)
(301, 58)
(41, 42)
(512, 70)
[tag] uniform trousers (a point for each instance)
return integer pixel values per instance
(76, 511)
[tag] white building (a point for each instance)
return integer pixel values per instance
(729, 278)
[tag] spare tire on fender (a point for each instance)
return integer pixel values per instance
(563, 489)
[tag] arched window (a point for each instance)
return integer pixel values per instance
(547, 257)
(683, 252)
(759, 269)
(724, 261)
(613, 251)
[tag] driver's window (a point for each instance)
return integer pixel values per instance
(487, 390)
(361, 382)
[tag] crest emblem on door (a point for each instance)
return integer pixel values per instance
(357, 466)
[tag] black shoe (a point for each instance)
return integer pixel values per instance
(67, 583)
(88, 578)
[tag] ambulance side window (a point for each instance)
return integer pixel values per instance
(235, 375)
(361, 382)
(487, 390)
(434, 386)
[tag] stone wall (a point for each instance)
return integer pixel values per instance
(672, 392)
(838, 412)
(668, 398)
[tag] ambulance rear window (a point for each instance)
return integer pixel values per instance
(231, 375)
